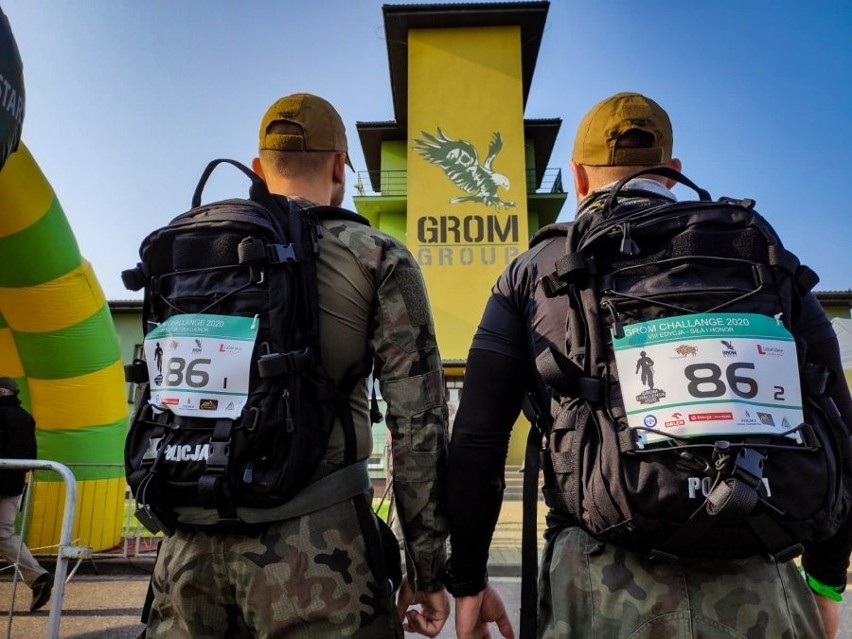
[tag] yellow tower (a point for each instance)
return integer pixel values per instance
(459, 175)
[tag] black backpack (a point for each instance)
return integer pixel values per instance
(687, 426)
(237, 408)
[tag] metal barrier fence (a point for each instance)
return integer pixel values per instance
(106, 521)
(65, 549)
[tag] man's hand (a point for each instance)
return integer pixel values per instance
(433, 613)
(830, 612)
(474, 613)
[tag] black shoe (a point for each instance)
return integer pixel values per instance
(41, 591)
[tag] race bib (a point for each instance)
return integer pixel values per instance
(198, 364)
(713, 374)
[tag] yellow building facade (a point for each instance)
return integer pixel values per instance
(459, 175)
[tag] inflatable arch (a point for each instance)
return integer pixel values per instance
(57, 340)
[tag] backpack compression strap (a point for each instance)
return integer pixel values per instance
(529, 530)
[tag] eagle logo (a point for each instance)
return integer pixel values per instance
(460, 162)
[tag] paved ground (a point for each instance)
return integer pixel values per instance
(103, 606)
(104, 598)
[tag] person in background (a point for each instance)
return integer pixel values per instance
(18, 441)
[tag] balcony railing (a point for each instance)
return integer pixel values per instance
(395, 183)
(385, 183)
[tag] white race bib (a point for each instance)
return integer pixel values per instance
(709, 374)
(199, 364)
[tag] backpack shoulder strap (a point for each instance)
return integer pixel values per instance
(529, 534)
(557, 229)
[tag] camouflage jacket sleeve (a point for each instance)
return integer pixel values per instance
(407, 365)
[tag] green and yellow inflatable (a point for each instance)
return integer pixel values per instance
(57, 339)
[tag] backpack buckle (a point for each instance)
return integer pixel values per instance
(788, 553)
(217, 462)
(748, 466)
(281, 253)
(220, 447)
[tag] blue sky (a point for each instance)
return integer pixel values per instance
(127, 101)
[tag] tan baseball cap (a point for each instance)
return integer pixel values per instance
(608, 120)
(322, 126)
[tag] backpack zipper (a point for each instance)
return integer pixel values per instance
(628, 246)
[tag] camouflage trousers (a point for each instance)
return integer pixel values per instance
(590, 590)
(302, 578)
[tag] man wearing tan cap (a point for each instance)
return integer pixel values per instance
(588, 588)
(313, 575)
(299, 135)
